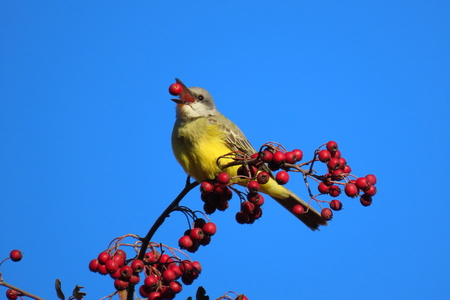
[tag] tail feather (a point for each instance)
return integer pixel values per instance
(310, 218)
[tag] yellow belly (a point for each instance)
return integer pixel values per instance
(196, 146)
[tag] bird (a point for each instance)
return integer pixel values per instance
(201, 134)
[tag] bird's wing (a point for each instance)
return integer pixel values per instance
(233, 136)
(236, 139)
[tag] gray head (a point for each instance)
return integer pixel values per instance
(194, 102)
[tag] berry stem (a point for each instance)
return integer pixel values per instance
(22, 292)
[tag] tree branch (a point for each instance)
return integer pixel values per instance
(146, 240)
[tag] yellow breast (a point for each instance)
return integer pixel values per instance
(197, 145)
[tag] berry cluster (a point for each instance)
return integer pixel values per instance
(216, 194)
(199, 235)
(339, 173)
(161, 272)
(255, 169)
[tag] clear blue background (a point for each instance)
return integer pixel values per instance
(85, 124)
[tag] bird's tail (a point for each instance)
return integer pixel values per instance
(310, 218)
(288, 200)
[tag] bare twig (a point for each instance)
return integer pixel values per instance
(22, 292)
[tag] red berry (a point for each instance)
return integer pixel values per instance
(327, 214)
(197, 265)
(167, 293)
(176, 269)
(93, 265)
(103, 257)
(266, 156)
(120, 284)
(332, 146)
(351, 190)
(362, 183)
(298, 154)
(324, 155)
(164, 259)
(257, 199)
(282, 177)
(206, 187)
(120, 252)
(12, 294)
(175, 89)
(187, 280)
(347, 169)
(205, 240)
(154, 296)
(342, 162)
(144, 291)
(337, 175)
(333, 163)
(222, 205)
(208, 208)
(298, 209)
(371, 178)
(199, 222)
(134, 279)
(242, 217)
(151, 281)
(336, 154)
(323, 188)
(278, 157)
(116, 274)
(209, 228)
(196, 234)
(253, 186)
(137, 265)
(168, 275)
(102, 269)
(257, 213)
(336, 204)
(263, 177)
(273, 166)
(15, 255)
(185, 266)
(185, 242)
(227, 194)
(290, 157)
(150, 257)
(334, 191)
(247, 171)
(119, 259)
(219, 188)
(372, 191)
(176, 286)
(111, 266)
(223, 178)
(247, 207)
(126, 271)
(366, 200)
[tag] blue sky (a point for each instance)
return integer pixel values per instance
(85, 124)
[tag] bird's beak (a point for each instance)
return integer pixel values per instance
(185, 96)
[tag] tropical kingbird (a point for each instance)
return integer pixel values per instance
(201, 134)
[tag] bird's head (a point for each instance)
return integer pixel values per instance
(194, 102)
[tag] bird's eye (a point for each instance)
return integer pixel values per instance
(200, 97)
